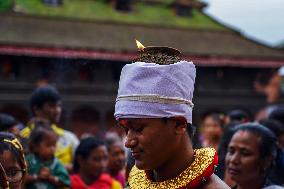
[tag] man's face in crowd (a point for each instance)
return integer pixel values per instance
(50, 111)
(152, 141)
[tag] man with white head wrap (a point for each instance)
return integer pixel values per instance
(154, 106)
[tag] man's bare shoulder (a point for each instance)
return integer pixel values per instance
(215, 182)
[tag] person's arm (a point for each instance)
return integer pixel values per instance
(56, 181)
(60, 175)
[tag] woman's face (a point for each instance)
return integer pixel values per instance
(12, 168)
(95, 164)
(211, 129)
(117, 157)
(243, 161)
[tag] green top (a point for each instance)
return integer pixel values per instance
(55, 167)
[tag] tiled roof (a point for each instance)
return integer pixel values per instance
(42, 32)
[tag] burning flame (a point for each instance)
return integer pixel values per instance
(139, 45)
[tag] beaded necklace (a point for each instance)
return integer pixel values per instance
(198, 172)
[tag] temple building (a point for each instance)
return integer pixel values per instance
(82, 53)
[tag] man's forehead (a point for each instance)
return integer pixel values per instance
(134, 121)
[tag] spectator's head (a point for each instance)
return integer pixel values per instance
(147, 136)
(45, 102)
(212, 126)
(238, 116)
(277, 128)
(42, 141)
(251, 153)
(117, 155)
(278, 114)
(91, 158)
(8, 124)
(12, 159)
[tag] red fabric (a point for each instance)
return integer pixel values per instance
(104, 182)
(206, 174)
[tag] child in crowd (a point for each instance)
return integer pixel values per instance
(90, 164)
(44, 170)
(12, 160)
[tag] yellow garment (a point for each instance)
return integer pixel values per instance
(64, 152)
(116, 185)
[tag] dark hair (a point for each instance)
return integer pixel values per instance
(275, 126)
(10, 143)
(6, 121)
(39, 133)
(238, 115)
(190, 128)
(84, 150)
(277, 114)
(42, 95)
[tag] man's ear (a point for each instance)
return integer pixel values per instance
(181, 124)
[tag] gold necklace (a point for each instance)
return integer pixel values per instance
(203, 159)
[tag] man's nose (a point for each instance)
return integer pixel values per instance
(131, 140)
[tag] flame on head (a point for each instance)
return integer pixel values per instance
(139, 45)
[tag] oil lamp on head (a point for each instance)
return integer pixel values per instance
(157, 54)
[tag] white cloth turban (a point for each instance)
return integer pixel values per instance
(150, 90)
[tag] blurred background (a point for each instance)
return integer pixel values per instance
(80, 46)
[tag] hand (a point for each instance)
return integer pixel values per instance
(44, 173)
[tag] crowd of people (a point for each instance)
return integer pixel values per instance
(159, 150)
(44, 156)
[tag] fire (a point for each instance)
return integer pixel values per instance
(139, 45)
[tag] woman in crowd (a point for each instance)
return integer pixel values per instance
(12, 159)
(212, 130)
(90, 164)
(252, 152)
(117, 159)
(277, 173)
